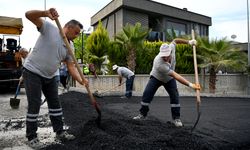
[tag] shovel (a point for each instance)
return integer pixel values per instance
(198, 99)
(14, 102)
(70, 51)
(100, 95)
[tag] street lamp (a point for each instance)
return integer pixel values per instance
(248, 50)
(248, 43)
(45, 3)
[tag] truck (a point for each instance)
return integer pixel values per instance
(10, 62)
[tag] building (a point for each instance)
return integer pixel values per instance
(241, 46)
(159, 17)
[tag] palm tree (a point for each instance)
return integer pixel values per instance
(132, 38)
(218, 54)
(170, 35)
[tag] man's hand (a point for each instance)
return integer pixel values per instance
(85, 82)
(195, 86)
(192, 42)
(52, 13)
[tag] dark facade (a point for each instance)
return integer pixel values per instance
(159, 17)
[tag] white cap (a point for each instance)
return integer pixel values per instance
(115, 67)
(165, 50)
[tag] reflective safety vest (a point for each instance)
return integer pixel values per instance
(86, 70)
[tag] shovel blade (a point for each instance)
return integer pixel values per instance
(14, 103)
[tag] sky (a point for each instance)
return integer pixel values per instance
(229, 17)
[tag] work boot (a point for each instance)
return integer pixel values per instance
(177, 122)
(65, 136)
(36, 144)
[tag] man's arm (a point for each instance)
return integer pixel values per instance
(120, 80)
(74, 73)
(183, 41)
(35, 16)
(182, 80)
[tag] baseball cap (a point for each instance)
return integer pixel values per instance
(115, 67)
(165, 50)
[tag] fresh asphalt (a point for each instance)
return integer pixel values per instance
(224, 118)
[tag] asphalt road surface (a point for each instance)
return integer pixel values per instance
(224, 119)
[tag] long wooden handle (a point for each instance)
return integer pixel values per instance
(75, 61)
(196, 70)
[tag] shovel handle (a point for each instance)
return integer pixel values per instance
(196, 70)
(18, 88)
(70, 51)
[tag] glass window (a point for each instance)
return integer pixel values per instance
(179, 28)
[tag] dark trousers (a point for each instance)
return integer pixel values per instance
(34, 84)
(150, 90)
(129, 86)
(63, 80)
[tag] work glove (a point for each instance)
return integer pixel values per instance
(192, 42)
(195, 86)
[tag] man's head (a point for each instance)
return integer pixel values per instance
(23, 52)
(115, 67)
(73, 29)
(165, 52)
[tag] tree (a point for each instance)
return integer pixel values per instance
(132, 38)
(97, 46)
(116, 55)
(80, 51)
(216, 54)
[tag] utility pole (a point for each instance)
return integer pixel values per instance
(248, 50)
(45, 7)
(82, 46)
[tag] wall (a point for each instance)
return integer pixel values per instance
(226, 85)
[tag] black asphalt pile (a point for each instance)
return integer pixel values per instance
(118, 131)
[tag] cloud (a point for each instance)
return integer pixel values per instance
(228, 16)
(228, 28)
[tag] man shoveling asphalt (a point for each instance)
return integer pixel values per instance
(39, 72)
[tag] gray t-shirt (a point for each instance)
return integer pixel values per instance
(162, 69)
(125, 72)
(48, 52)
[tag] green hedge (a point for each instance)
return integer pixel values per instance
(146, 55)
